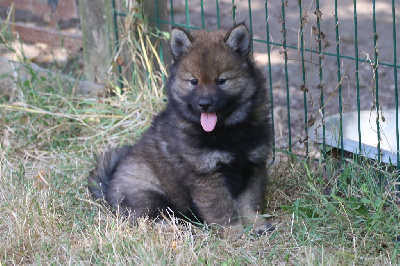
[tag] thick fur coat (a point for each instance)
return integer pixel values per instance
(204, 157)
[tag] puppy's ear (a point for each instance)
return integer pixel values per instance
(180, 41)
(238, 38)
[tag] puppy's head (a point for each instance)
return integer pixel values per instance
(211, 79)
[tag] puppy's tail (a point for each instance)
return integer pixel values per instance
(105, 167)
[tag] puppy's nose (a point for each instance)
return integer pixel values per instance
(205, 104)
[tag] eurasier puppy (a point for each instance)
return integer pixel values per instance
(204, 156)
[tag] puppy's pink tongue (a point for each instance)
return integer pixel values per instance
(208, 121)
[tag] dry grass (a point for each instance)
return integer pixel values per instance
(324, 213)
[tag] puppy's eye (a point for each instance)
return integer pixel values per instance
(220, 81)
(194, 81)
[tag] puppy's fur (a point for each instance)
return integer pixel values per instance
(205, 155)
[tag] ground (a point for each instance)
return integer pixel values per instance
(324, 211)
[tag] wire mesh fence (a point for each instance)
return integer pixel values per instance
(332, 67)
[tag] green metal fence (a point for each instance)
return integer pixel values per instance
(327, 62)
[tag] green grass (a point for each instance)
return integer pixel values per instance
(324, 212)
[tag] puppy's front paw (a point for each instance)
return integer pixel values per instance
(233, 232)
(264, 229)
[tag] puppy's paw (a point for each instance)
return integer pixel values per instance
(233, 232)
(263, 229)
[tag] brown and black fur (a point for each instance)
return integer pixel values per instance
(216, 177)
